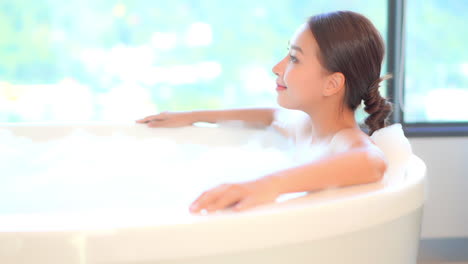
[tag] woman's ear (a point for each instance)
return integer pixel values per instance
(335, 83)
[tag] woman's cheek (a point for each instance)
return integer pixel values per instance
(288, 77)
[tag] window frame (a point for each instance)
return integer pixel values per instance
(396, 86)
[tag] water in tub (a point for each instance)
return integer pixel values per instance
(85, 172)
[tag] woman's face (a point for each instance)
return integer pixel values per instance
(301, 77)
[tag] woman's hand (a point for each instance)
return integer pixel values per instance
(169, 119)
(239, 196)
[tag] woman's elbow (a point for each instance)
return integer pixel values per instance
(378, 166)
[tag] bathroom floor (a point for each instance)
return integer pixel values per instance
(443, 251)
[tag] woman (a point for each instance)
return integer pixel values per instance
(333, 65)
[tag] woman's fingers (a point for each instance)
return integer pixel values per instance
(245, 204)
(204, 199)
(228, 198)
(146, 119)
(158, 117)
(158, 123)
(219, 198)
(208, 199)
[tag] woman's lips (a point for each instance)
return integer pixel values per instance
(280, 87)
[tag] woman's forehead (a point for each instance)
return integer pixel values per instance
(303, 38)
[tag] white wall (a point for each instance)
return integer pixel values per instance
(446, 210)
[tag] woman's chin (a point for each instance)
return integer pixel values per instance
(281, 102)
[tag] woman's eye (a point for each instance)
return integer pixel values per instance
(292, 58)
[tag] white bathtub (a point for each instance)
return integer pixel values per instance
(365, 224)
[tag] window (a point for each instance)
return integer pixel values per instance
(436, 71)
(108, 60)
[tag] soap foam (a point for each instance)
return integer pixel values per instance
(83, 171)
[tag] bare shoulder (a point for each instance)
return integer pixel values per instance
(355, 139)
(350, 138)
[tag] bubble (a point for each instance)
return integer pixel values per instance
(83, 171)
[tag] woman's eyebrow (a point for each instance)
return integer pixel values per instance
(294, 47)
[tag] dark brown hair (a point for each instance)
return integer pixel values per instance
(349, 43)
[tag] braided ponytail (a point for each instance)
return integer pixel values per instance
(378, 107)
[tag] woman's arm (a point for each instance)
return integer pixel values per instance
(253, 116)
(356, 166)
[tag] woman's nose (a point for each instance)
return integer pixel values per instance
(278, 68)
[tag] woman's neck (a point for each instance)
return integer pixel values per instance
(327, 122)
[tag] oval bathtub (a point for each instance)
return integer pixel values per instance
(366, 224)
